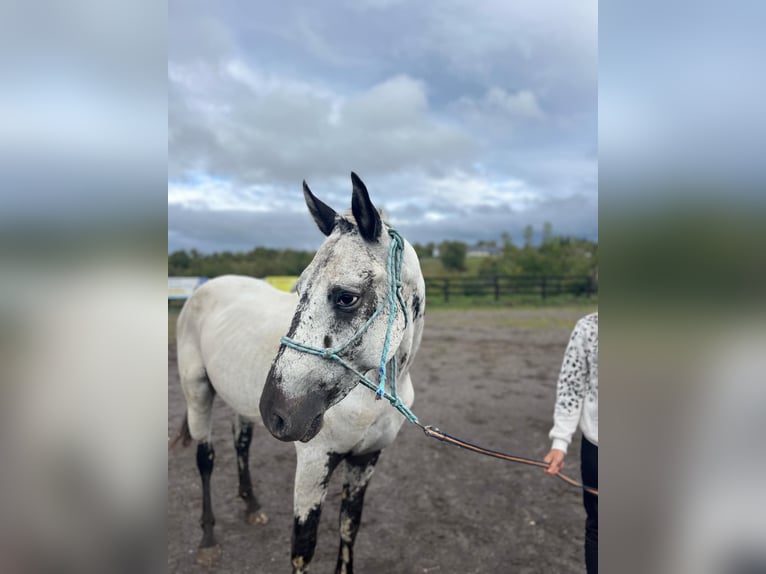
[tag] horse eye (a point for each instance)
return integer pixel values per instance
(346, 300)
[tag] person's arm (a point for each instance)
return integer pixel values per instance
(570, 393)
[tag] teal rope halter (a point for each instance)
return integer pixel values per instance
(394, 297)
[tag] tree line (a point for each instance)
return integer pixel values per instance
(258, 262)
(553, 255)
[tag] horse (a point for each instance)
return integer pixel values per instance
(357, 315)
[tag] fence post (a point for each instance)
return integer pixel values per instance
(497, 288)
(446, 290)
(542, 288)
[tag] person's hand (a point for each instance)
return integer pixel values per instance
(556, 459)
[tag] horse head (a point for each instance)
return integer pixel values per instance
(343, 310)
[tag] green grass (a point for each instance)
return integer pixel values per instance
(539, 318)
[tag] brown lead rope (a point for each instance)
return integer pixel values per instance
(444, 437)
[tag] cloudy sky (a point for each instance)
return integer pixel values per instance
(465, 120)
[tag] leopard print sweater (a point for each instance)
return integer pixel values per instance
(577, 391)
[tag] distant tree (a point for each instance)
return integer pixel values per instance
(424, 251)
(259, 262)
(178, 262)
(529, 234)
(554, 256)
(547, 232)
(452, 254)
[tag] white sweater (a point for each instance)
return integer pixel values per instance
(577, 391)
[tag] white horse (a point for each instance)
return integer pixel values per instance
(230, 345)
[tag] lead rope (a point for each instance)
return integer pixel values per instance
(439, 435)
(394, 296)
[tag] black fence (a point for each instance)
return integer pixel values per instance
(499, 287)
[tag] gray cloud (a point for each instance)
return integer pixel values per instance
(481, 115)
(267, 130)
(240, 231)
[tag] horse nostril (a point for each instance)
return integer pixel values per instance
(277, 423)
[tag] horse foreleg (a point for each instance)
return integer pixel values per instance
(243, 436)
(208, 549)
(359, 469)
(311, 477)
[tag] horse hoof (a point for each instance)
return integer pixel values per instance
(255, 518)
(208, 556)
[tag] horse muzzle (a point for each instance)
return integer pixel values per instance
(290, 419)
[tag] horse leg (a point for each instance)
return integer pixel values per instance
(311, 477)
(243, 436)
(359, 470)
(208, 549)
(199, 399)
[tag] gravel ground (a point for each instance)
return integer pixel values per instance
(485, 375)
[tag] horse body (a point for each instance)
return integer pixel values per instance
(229, 345)
(228, 333)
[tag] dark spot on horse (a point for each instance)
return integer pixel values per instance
(365, 309)
(366, 275)
(337, 393)
(327, 341)
(370, 304)
(345, 225)
(328, 255)
(305, 536)
(305, 531)
(297, 317)
(404, 359)
(416, 306)
(333, 459)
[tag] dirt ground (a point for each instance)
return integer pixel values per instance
(485, 375)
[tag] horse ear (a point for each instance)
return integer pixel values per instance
(367, 217)
(323, 214)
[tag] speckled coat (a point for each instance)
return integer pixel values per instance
(577, 392)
